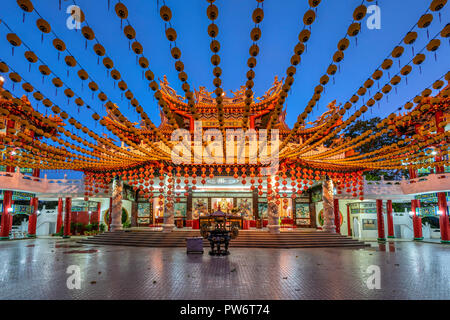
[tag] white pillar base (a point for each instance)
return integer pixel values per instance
(330, 228)
(274, 228)
(116, 227)
(168, 227)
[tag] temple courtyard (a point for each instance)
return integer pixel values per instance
(43, 268)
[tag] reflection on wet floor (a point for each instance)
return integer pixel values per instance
(57, 246)
(81, 251)
(409, 270)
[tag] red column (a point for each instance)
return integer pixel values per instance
(67, 218)
(390, 219)
(417, 221)
(59, 217)
(337, 218)
(33, 217)
(7, 203)
(36, 173)
(349, 228)
(443, 218)
(380, 220)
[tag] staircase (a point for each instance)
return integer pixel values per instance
(246, 239)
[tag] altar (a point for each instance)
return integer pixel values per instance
(230, 221)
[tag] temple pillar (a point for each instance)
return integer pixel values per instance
(169, 221)
(274, 217)
(36, 173)
(380, 221)
(328, 211)
(134, 213)
(189, 219)
(99, 214)
(444, 224)
(109, 220)
(412, 173)
(417, 221)
(390, 219)
(59, 217)
(67, 217)
(7, 204)
(34, 202)
(349, 228)
(116, 212)
(337, 218)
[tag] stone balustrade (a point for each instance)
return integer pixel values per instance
(44, 187)
(403, 189)
(383, 189)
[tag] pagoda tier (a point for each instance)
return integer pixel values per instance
(24, 118)
(234, 107)
(422, 119)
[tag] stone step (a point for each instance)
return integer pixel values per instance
(244, 245)
(249, 239)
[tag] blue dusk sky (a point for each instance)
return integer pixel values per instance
(280, 28)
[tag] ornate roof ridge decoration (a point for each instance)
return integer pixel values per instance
(204, 97)
(27, 112)
(421, 118)
(327, 115)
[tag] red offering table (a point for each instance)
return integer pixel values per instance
(287, 221)
(252, 223)
(195, 224)
(189, 223)
(246, 224)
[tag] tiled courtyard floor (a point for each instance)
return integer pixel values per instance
(36, 269)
